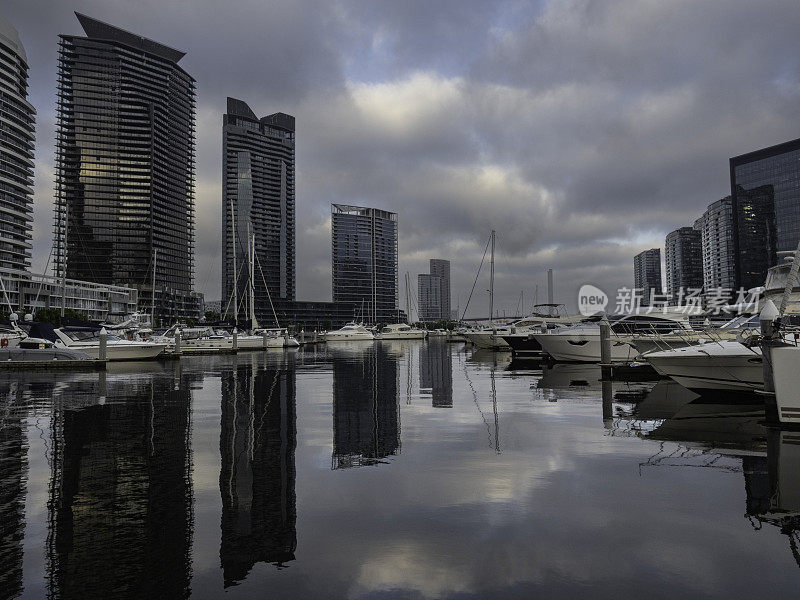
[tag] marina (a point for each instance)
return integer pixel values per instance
(402, 468)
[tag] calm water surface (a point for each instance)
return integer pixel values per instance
(387, 470)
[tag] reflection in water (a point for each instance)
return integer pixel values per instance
(366, 414)
(257, 477)
(120, 497)
(774, 499)
(436, 373)
(13, 474)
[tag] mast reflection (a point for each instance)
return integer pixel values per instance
(257, 478)
(120, 509)
(366, 413)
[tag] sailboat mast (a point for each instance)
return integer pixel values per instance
(251, 258)
(408, 300)
(153, 293)
(491, 281)
(235, 278)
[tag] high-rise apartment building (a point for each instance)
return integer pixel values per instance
(17, 118)
(125, 161)
(683, 259)
(364, 256)
(647, 274)
(429, 289)
(716, 227)
(441, 268)
(765, 192)
(258, 189)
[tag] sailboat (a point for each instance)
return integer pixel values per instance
(402, 331)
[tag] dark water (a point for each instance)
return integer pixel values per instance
(394, 470)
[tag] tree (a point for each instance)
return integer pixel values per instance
(53, 316)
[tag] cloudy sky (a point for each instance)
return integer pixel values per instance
(582, 131)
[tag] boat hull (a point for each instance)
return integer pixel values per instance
(523, 344)
(487, 340)
(716, 369)
(123, 351)
(582, 348)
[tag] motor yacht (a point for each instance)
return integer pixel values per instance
(87, 339)
(581, 342)
(489, 338)
(401, 331)
(681, 338)
(350, 332)
(547, 316)
(725, 365)
(786, 375)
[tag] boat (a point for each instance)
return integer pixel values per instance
(680, 338)
(581, 342)
(721, 366)
(786, 376)
(489, 338)
(87, 339)
(401, 331)
(351, 332)
(548, 316)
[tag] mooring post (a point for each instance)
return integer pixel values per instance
(177, 340)
(608, 403)
(285, 338)
(264, 339)
(235, 339)
(103, 343)
(770, 337)
(605, 348)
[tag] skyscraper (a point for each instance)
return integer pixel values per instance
(258, 184)
(683, 260)
(765, 193)
(719, 260)
(364, 252)
(16, 156)
(647, 274)
(429, 288)
(441, 268)
(125, 163)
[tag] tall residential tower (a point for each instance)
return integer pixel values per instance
(647, 274)
(258, 187)
(16, 159)
(683, 259)
(441, 268)
(364, 252)
(125, 162)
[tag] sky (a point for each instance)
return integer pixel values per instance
(581, 131)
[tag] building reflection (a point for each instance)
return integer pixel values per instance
(436, 373)
(120, 509)
(13, 475)
(366, 413)
(257, 478)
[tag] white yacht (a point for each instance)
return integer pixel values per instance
(581, 342)
(350, 332)
(786, 375)
(401, 331)
(725, 365)
(87, 340)
(680, 338)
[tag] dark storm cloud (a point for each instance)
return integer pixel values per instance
(582, 131)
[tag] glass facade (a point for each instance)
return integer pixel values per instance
(17, 118)
(258, 181)
(683, 260)
(364, 251)
(765, 189)
(647, 274)
(125, 161)
(429, 288)
(441, 268)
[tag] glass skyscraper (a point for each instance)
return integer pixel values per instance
(258, 184)
(364, 252)
(765, 190)
(429, 289)
(441, 268)
(125, 161)
(17, 118)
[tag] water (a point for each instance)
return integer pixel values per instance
(393, 470)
